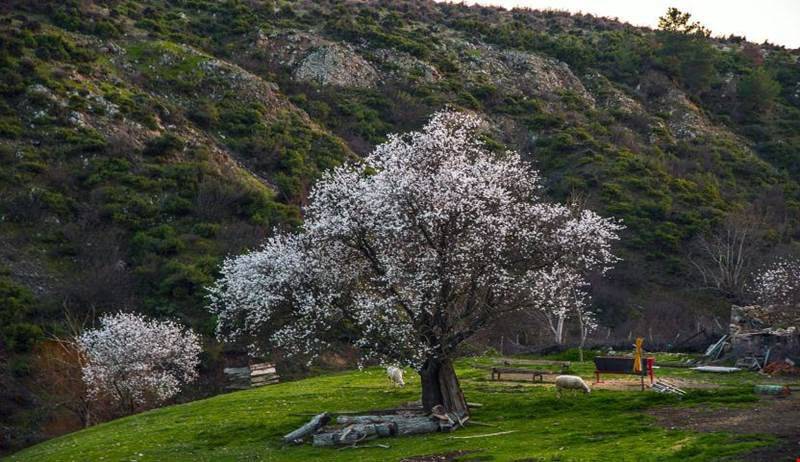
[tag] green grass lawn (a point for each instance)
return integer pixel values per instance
(247, 425)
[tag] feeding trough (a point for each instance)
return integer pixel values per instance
(623, 365)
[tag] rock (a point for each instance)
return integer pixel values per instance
(262, 39)
(518, 72)
(77, 119)
(404, 66)
(336, 65)
(105, 106)
(608, 96)
(683, 118)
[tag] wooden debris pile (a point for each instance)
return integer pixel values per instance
(254, 375)
(786, 367)
(664, 386)
(763, 334)
(263, 374)
(352, 430)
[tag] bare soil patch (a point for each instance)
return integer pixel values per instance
(618, 383)
(443, 457)
(779, 417)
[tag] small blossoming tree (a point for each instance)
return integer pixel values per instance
(778, 284)
(587, 319)
(558, 294)
(554, 297)
(416, 249)
(137, 362)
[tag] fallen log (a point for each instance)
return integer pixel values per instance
(416, 426)
(319, 421)
(405, 425)
(366, 419)
(354, 434)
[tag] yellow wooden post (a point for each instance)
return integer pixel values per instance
(637, 356)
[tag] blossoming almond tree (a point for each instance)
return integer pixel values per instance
(136, 361)
(557, 294)
(587, 319)
(554, 297)
(416, 249)
(778, 284)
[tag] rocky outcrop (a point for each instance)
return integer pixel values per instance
(336, 65)
(683, 118)
(518, 72)
(314, 59)
(608, 96)
(403, 66)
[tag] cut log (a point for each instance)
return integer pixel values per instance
(416, 426)
(355, 433)
(317, 422)
(405, 425)
(367, 419)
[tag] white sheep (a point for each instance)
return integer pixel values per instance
(571, 382)
(395, 375)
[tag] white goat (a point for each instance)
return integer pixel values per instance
(571, 382)
(395, 374)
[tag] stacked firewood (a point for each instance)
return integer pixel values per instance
(254, 375)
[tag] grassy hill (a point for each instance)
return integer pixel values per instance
(141, 141)
(606, 425)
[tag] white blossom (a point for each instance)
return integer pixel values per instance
(414, 250)
(778, 284)
(137, 361)
(556, 294)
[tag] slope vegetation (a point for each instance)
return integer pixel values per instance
(142, 141)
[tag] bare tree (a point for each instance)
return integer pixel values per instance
(58, 362)
(724, 257)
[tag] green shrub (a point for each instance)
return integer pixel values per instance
(757, 92)
(162, 240)
(10, 127)
(206, 230)
(163, 145)
(17, 333)
(205, 114)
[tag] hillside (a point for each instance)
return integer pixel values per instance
(142, 141)
(607, 425)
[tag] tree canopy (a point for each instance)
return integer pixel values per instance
(419, 247)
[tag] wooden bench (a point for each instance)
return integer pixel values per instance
(496, 371)
(622, 365)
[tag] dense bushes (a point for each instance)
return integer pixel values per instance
(17, 333)
(757, 92)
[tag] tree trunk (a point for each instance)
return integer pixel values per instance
(560, 330)
(440, 386)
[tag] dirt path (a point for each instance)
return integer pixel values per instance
(775, 416)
